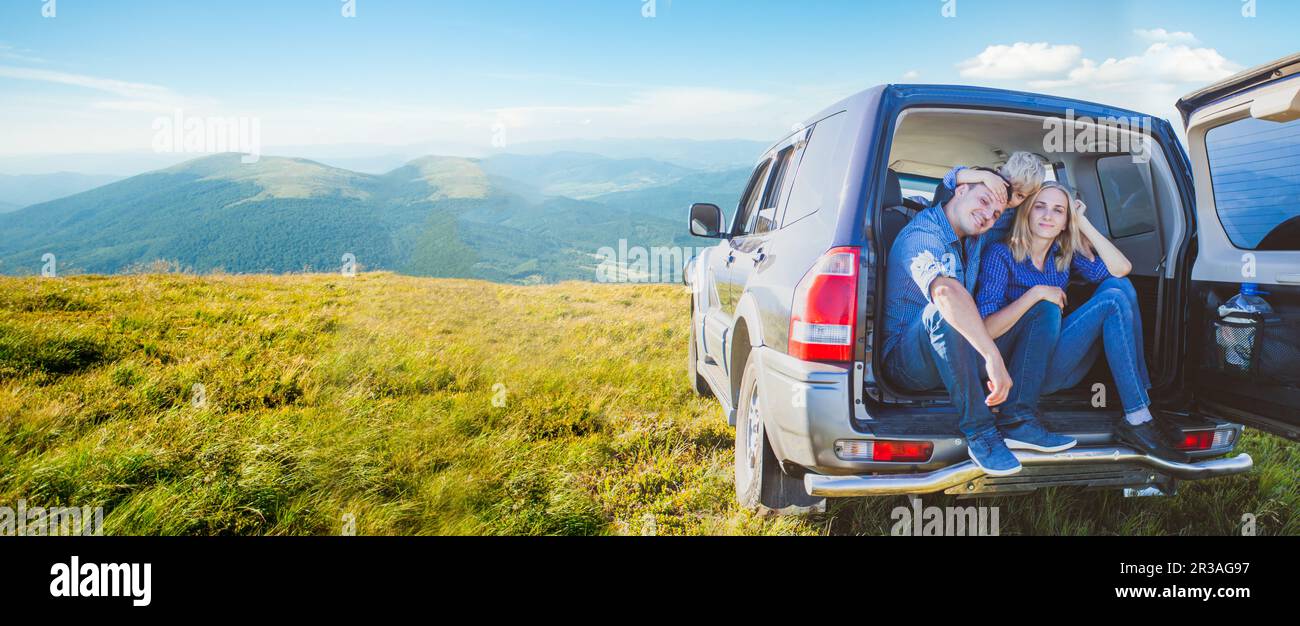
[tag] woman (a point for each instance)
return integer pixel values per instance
(1051, 241)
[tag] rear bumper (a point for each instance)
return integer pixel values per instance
(954, 477)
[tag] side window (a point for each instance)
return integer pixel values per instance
(749, 204)
(766, 221)
(1255, 170)
(819, 177)
(1130, 209)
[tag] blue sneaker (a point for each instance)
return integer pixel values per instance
(1030, 435)
(993, 456)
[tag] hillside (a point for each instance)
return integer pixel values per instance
(434, 216)
(427, 406)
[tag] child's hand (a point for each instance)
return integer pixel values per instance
(995, 183)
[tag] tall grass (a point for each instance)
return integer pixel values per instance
(295, 404)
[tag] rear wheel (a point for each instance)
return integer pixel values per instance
(761, 485)
(698, 384)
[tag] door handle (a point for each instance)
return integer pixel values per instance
(1293, 279)
(731, 258)
(759, 256)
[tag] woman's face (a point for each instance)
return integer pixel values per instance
(1050, 214)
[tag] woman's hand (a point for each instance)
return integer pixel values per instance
(1086, 229)
(1048, 293)
(1079, 207)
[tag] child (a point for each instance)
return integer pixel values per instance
(1025, 172)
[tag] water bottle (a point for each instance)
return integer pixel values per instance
(1238, 342)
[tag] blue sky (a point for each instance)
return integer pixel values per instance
(95, 77)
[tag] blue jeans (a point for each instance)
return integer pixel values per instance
(1108, 321)
(1027, 350)
(931, 354)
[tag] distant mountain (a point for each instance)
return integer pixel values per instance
(28, 189)
(582, 175)
(671, 201)
(434, 216)
(694, 154)
(378, 159)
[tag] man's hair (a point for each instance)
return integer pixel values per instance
(1026, 171)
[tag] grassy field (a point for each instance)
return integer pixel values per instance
(290, 404)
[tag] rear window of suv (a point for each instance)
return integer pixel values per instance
(1255, 170)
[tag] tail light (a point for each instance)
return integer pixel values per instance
(884, 451)
(1205, 439)
(825, 309)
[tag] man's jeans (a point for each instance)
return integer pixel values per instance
(1108, 321)
(931, 354)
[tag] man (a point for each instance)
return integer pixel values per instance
(935, 337)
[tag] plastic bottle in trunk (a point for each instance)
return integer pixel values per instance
(1238, 342)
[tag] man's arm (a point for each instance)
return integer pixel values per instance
(1002, 321)
(959, 310)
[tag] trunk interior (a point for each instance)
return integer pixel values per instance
(1137, 205)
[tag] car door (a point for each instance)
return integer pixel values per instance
(749, 246)
(1244, 144)
(719, 304)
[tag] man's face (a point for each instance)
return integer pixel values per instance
(976, 210)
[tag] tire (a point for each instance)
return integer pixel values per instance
(698, 384)
(761, 485)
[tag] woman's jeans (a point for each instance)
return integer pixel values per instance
(1109, 321)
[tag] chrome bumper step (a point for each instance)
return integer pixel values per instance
(965, 476)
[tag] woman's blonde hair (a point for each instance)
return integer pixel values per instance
(1069, 239)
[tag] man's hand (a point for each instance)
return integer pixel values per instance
(999, 380)
(1049, 293)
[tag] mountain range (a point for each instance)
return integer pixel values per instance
(19, 191)
(507, 217)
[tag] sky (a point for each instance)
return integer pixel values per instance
(81, 76)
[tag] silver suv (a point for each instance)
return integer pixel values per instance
(786, 306)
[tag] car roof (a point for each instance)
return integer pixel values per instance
(858, 103)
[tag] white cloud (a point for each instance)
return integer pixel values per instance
(1160, 35)
(138, 96)
(1171, 66)
(1022, 61)
(1161, 63)
(911, 75)
(118, 87)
